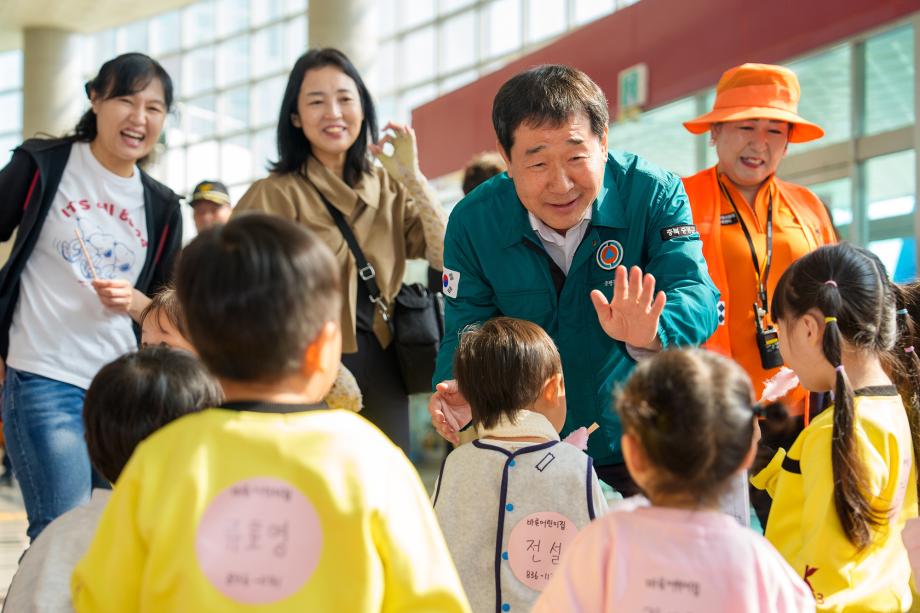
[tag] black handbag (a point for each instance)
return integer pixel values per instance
(416, 317)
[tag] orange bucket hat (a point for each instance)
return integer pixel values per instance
(758, 91)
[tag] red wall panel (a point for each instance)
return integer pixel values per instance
(687, 45)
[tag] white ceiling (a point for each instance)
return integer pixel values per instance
(74, 15)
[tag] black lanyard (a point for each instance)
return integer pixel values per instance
(761, 280)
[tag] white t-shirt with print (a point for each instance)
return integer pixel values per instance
(60, 329)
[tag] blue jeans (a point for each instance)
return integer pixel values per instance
(43, 427)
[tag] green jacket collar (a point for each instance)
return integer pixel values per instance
(609, 208)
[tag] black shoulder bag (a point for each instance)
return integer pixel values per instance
(416, 319)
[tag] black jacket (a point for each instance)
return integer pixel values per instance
(28, 185)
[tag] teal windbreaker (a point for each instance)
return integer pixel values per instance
(495, 265)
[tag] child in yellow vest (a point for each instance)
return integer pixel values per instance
(270, 501)
(846, 487)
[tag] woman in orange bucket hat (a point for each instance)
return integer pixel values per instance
(754, 225)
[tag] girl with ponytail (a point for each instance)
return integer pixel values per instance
(846, 487)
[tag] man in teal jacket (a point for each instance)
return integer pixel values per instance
(561, 240)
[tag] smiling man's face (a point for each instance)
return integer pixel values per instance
(557, 170)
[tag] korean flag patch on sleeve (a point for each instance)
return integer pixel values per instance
(450, 282)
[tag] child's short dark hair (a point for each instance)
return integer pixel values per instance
(691, 412)
(502, 366)
(255, 293)
(166, 302)
(137, 394)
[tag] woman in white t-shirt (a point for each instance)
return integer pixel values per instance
(95, 235)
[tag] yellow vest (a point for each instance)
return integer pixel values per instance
(230, 511)
(803, 523)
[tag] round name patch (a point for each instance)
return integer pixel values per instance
(259, 541)
(609, 254)
(536, 545)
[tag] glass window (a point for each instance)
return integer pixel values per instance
(826, 95)
(503, 19)
(545, 18)
(292, 7)
(173, 66)
(458, 42)
(7, 143)
(11, 69)
(264, 150)
(174, 131)
(165, 32)
(233, 61)
(837, 195)
(264, 11)
(451, 5)
(589, 10)
(457, 81)
(295, 40)
(415, 12)
(659, 137)
(200, 118)
(232, 16)
(104, 48)
(418, 56)
(199, 23)
(236, 159)
(237, 191)
(174, 167)
(267, 51)
(198, 71)
(202, 162)
(386, 17)
(890, 185)
(889, 92)
(386, 58)
(234, 110)
(415, 98)
(386, 109)
(11, 112)
(266, 100)
(133, 37)
(899, 257)
(906, 267)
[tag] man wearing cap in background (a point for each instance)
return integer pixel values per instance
(749, 218)
(597, 248)
(211, 204)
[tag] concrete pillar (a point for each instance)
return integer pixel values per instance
(52, 81)
(350, 26)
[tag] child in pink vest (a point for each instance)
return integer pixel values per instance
(689, 428)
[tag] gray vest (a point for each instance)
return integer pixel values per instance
(486, 487)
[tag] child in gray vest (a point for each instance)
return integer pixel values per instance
(511, 501)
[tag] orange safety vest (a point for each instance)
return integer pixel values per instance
(706, 202)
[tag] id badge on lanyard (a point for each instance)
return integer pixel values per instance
(767, 335)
